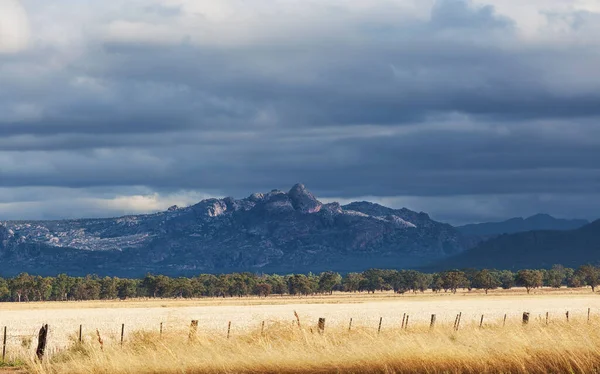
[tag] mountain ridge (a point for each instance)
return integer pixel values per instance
(532, 249)
(276, 231)
(540, 221)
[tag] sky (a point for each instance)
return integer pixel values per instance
(470, 110)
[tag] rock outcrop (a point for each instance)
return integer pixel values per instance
(265, 232)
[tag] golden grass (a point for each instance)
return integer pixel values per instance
(559, 347)
(336, 298)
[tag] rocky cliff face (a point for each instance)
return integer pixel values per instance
(271, 232)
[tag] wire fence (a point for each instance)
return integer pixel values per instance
(22, 342)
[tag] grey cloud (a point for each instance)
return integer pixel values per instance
(454, 104)
(419, 162)
(162, 10)
(457, 14)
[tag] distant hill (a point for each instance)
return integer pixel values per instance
(532, 249)
(514, 225)
(266, 232)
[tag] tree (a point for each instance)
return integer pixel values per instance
(126, 288)
(507, 279)
(277, 283)
(210, 284)
(92, 287)
(163, 286)
(313, 280)
(182, 287)
(87, 288)
(198, 287)
(223, 285)
(470, 274)
(4, 290)
(398, 281)
(262, 289)
(299, 284)
(573, 278)
(108, 288)
(42, 288)
(485, 280)
(238, 285)
(61, 285)
(373, 280)
(437, 283)
(590, 275)
(328, 281)
(530, 279)
(555, 277)
(351, 282)
(453, 280)
(77, 290)
(416, 281)
(149, 284)
(22, 286)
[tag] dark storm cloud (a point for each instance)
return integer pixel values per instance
(381, 104)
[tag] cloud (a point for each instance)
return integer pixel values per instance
(14, 27)
(34, 203)
(429, 100)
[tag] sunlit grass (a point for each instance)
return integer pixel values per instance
(558, 347)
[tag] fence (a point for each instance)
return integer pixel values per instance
(17, 345)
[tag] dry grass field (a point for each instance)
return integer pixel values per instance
(282, 346)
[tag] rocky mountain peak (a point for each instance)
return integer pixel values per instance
(369, 208)
(256, 197)
(303, 200)
(277, 231)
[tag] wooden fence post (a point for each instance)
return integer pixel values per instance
(350, 324)
(321, 325)
(406, 323)
(567, 316)
(458, 321)
(80, 334)
(122, 333)
(481, 322)
(161, 329)
(432, 323)
(42, 340)
(546, 318)
(297, 318)
(588, 315)
(379, 328)
(262, 329)
(403, 318)
(100, 340)
(228, 329)
(4, 346)
(525, 318)
(504, 323)
(193, 329)
(455, 322)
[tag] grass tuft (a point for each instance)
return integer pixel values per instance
(285, 348)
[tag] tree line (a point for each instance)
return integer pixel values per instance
(25, 287)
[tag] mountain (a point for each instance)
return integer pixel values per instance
(272, 232)
(532, 249)
(514, 225)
